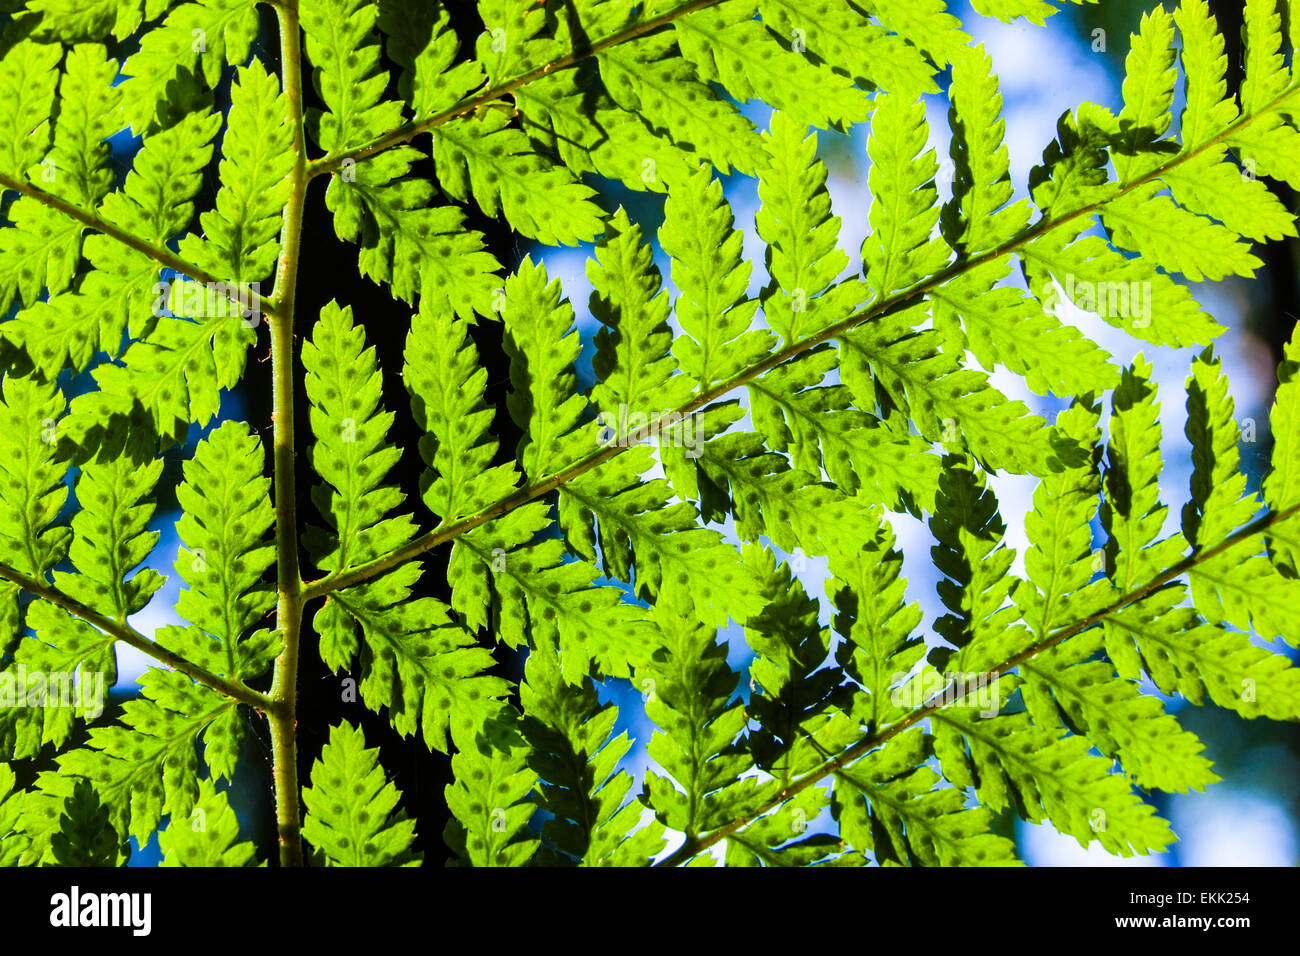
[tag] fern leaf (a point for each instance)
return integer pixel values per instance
(909, 820)
(489, 825)
(904, 203)
(483, 157)
(1123, 722)
(980, 624)
(28, 78)
(846, 41)
(820, 428)
(446, 383)
(948, 403)
(648, 78)
(803, 258)
(1282, 484)
(110, 537)
(1237, 585)
(87, 115)
(1186, 656)
(239, 241)
(926, 23)
(225, 554)
(729, 46)
(1059, 563)
(740, 476)
(350, 452)
(691, 686)
(350, 817)
(790, 684)
(1205, 66)
(868, 593)
(424, 668)
(576, 758)
(417, 250)
(1129, 294)
(33, 492)
(209, 837)
(633, 365)
(86, 836)
(343, 46)
(1002, 326)
(148, 765)
(979, 217)
(543, 348)
(1053, 777)
(539, 591)
(422, 41)
(177, 59)
(13, 842)
(678, 564)
(711, 274)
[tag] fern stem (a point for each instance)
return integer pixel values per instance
(884, 306)
(284, 684)
(691, 848)
(158, 254)
(408, 132)
(128, 635)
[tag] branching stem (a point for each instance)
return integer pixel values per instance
(133, 638)
(284, 684)
(409, 131)
(692, 848)
(884, 306)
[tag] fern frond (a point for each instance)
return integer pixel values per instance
(208, 837)
(904, 203)
(419, 251)
(803, 257)
(184, 54)
(446, 382)
(633, 365)
(678, 564)
(729, 46)
(819, 427)
(239, 235)
(148, 764)
(712, 276)
(849, 43)
(868, 592)
(483, 157)
(351, 817)
(343, 46)
(350, 453)
(690, 688)
(790, 687)
(541, 592)
(895, 810)
(921, 376)
(226, 517)
(86, 836)
(647, 77)
(1282, 484)
(1052, 777)
(421, 40)
(1238, 585)
(576, 758)
(489, 825)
